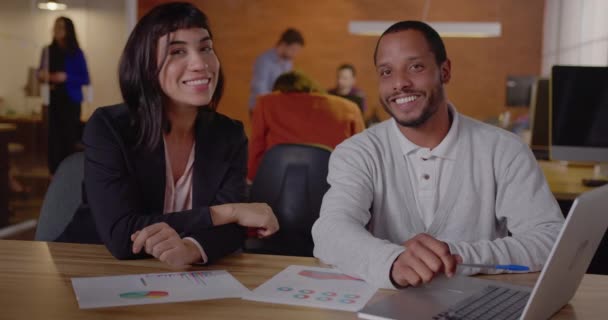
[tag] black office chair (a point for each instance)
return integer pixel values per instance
(62, 198)
(292, 179)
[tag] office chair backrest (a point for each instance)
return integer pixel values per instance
(62, 198)
(292, 179)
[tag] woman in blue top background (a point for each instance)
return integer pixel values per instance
(64, 68)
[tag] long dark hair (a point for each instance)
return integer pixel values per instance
(138, 71)
(71, 42)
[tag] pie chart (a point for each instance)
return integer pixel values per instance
(144, 294)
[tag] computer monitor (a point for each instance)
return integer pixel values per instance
(579, 115)
(519, 90)
(539, 119)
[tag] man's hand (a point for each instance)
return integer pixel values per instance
(423, 258)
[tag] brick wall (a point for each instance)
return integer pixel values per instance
(245, 28)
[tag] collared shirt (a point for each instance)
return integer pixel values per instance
(267, 68)
(431, 168)
(178, 194)
(497, 207)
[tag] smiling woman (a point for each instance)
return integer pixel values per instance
(190, 68)
(164, 172)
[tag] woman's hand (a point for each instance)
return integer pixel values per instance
(43, 76)
(163, 242)
(253, 215)
(58, 77)
(256, 215)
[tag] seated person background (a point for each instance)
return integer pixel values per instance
(299, 113)
(415, 195)
(164, 173)
(345, 86)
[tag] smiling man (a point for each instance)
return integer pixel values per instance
(416, 195)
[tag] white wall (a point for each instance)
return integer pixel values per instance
(575, 33)
(101, 28)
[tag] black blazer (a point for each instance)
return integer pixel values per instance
(125, 186)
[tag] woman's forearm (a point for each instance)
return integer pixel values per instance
(222, 214)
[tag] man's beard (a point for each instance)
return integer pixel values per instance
(428, 111)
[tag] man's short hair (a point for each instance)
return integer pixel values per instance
(295, 81)
(432, 37)
(291, 36)
(347, 66)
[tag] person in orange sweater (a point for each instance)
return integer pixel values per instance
(297, 111)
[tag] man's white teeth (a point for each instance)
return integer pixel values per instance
(197, 82)
(406, 99)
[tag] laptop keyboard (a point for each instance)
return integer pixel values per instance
(496, 303)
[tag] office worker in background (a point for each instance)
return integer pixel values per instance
(64, 68)
(346, 80)
(274, 62)
(415, 195)
(164, 172)
(298, 112)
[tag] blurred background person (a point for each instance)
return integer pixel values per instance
(299, 112)
(274, 62)
(64, 68)
(345, 86)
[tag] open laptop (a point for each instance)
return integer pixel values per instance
(473, 298)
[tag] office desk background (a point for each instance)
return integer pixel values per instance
(6, 134)
(565, 181)
(35, 284)
(566, 184)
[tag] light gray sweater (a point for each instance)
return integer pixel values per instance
(496, 187)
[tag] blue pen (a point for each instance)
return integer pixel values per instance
(510, 267)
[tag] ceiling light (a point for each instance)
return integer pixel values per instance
(445, 29)
(52, 5)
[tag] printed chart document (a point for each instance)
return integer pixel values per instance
(314, 287)
(98, 292)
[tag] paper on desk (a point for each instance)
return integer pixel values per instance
(97, 292)
(314, 287)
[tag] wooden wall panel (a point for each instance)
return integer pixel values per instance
(245, 28)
